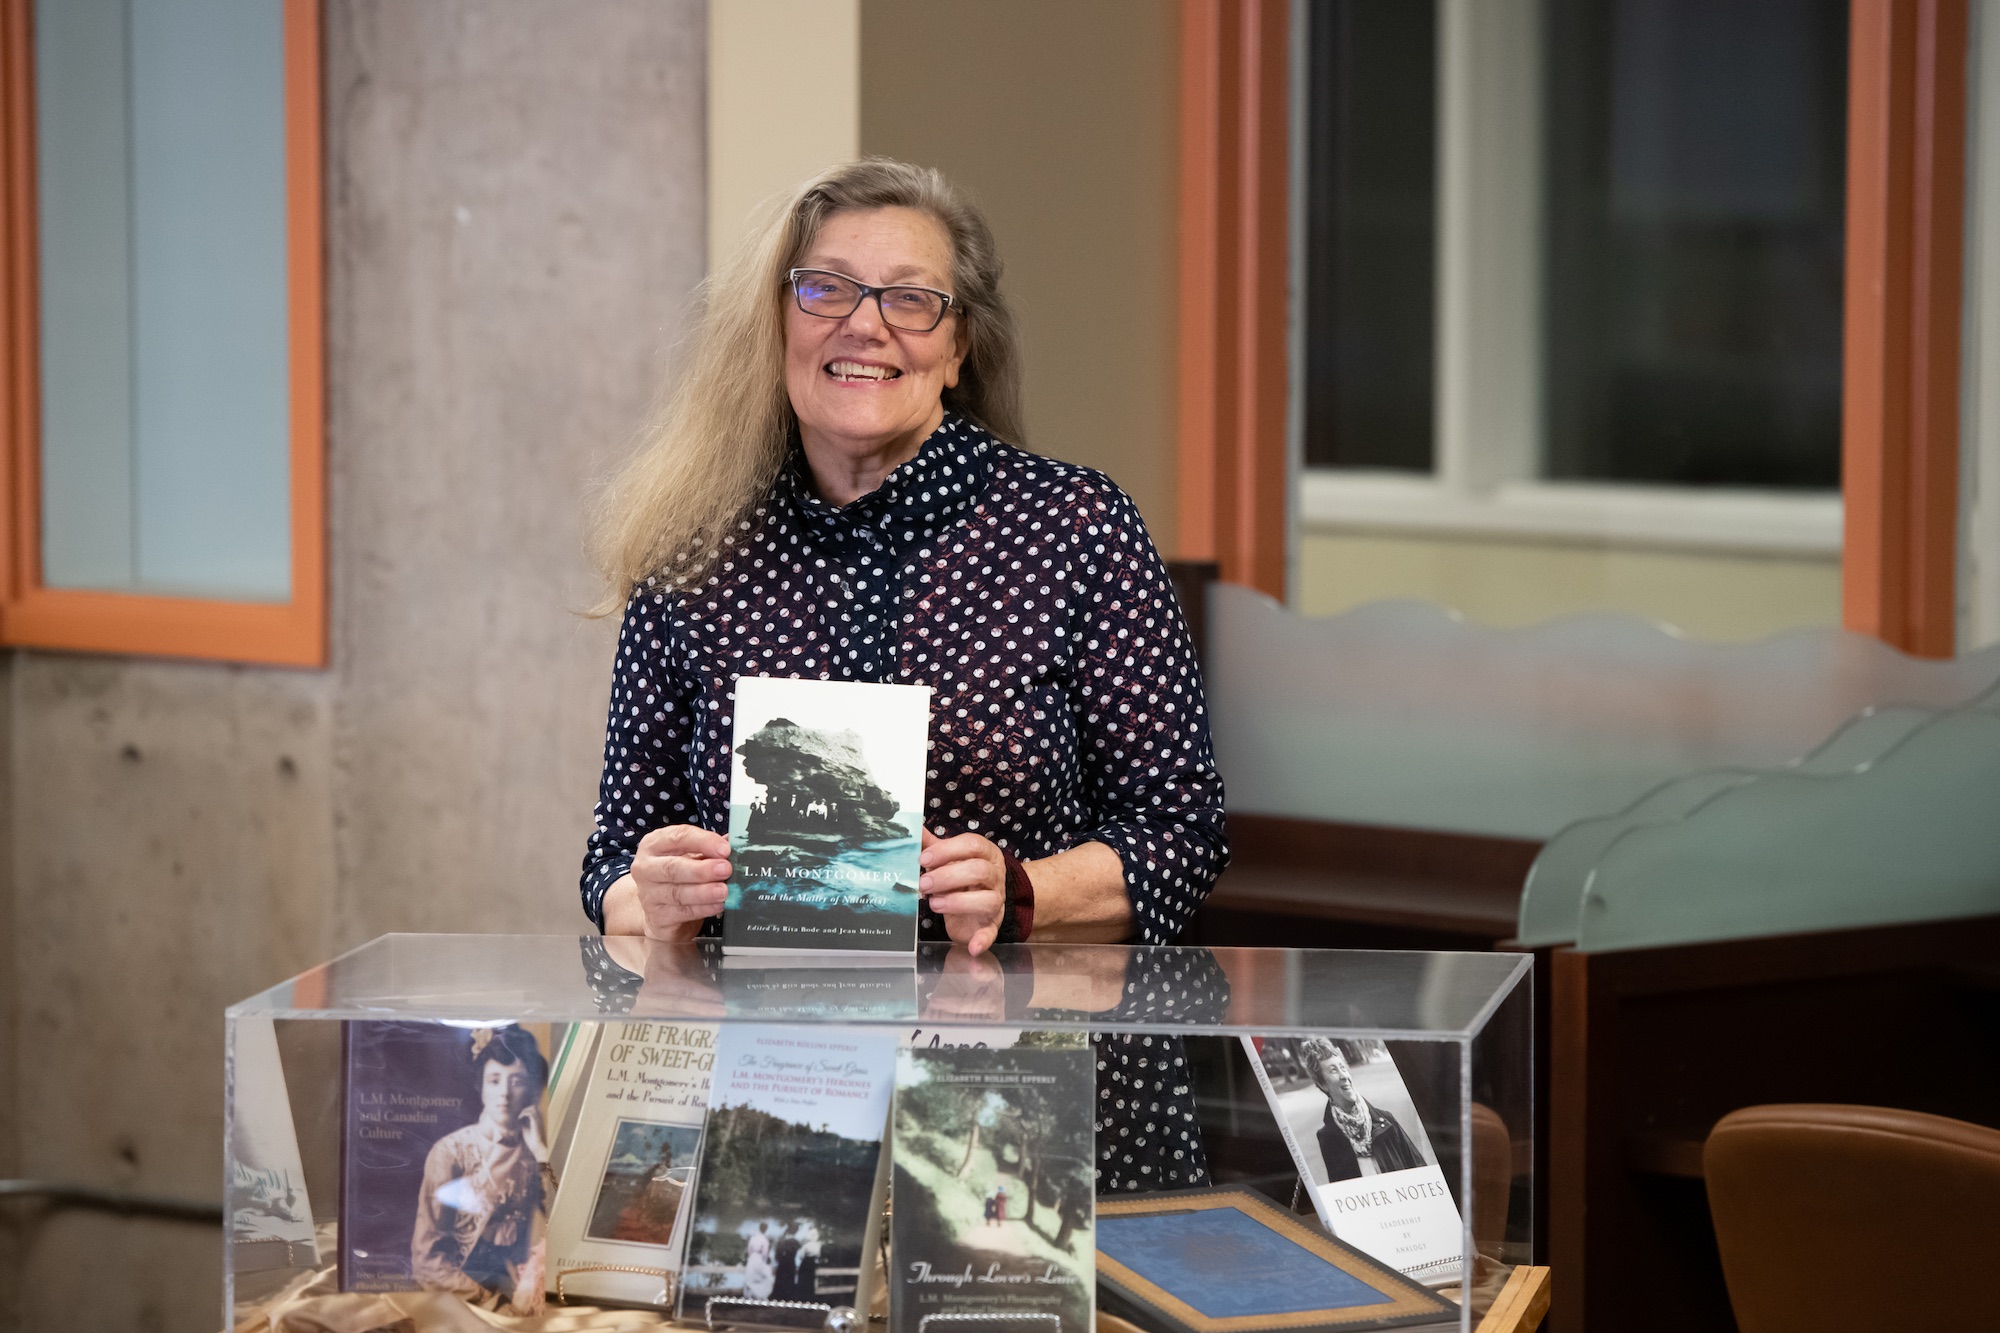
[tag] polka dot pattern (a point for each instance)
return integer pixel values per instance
(1148, 1132)
(1067, 705)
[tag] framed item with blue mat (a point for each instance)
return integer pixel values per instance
(1230, 1261)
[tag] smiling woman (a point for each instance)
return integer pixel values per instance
(835, 491)
(868, 383)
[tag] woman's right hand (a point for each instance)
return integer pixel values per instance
(679, 878)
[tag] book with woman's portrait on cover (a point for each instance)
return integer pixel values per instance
(826, 800)
(444, 1181)
(1356, 1137)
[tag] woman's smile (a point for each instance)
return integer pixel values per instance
(849, 371)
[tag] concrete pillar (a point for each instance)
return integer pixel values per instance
(515, 219)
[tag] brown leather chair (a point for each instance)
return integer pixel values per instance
(1837, 1218)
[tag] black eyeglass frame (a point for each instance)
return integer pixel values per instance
(950, 302)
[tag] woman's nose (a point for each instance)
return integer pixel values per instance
(867, 318)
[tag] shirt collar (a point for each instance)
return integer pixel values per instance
(916, 500)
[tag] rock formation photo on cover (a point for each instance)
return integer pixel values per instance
(825, 815)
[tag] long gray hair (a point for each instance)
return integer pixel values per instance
(718, 439)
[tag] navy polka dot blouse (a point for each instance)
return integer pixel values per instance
(1066, 708)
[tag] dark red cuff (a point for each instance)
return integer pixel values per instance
(1017, 919)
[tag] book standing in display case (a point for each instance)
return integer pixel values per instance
(542, 1126)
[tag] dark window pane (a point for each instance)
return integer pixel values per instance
(1370, 233)
(1696, 175)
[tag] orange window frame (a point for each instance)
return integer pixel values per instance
(1234, 271)
(290, 633)
(1906, 140)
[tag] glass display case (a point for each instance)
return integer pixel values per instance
(528, 1123)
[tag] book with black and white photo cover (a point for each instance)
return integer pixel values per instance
(789, 1194)
(617, 1227)
(995, 1186)
(826, 799)
(270, 1217)
(1357, 1139)
(443, 1153)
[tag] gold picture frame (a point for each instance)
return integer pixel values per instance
(1404, 1302)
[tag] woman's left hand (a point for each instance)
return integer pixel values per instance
(965, 878)
(530, 1122)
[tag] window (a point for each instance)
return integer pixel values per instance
(1371, 234)
(163, 357)
(1540, 299)
(1696, 188)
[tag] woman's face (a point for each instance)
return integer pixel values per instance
(505, 1090)
(1334, 1079)
(858, 386)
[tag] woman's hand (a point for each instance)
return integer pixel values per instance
(678, 879)
(966, 880)
(967, 988)
(529, 1122)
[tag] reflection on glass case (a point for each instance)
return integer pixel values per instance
(1043, 1139)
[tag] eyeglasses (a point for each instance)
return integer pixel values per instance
(836, 296)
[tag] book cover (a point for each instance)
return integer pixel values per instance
(442, 1153)
(788, 1194)
(568, 1068)
(995, 1187)
(621, 1203)
(1230, 1261)
(270, 1217)
(826, 803)
(1356, 1137)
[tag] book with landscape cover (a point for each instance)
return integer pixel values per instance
(621, 1203)
(826, 802)
(788, 1196)
(1357, 1139)
(1231, 1261)
(442, 1160)
(995, 1186)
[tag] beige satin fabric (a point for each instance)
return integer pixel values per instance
(310, 1305)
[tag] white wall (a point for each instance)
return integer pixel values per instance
(784, 102)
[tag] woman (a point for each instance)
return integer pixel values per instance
(831, 492)
(809, 1249)
(648, 1218)
(1355, 1139)
(758, 1276)
(480, 1216)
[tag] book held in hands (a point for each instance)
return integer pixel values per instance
(826, 802)
(995, 1187)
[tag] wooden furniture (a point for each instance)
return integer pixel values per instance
(1351, 886)
(1649, 1048)
(1520, 1305)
